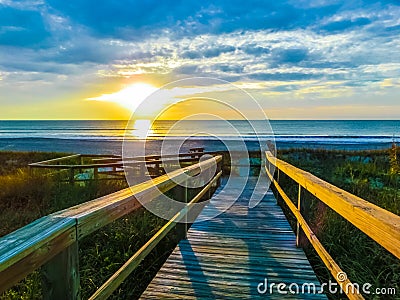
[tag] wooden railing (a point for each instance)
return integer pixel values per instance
(113, 162)
(51, 242)
(379, 224)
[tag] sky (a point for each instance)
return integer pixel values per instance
(300, 59)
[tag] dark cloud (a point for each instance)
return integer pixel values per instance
(21, 28)
(238, 69)
(325, 63)
(289, 56)
(187, 69)
(255, 50)
(217, 51)
(191, 54)
(285, 76)
(208, 52)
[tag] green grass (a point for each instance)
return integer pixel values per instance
(26, 196)
(368, 175)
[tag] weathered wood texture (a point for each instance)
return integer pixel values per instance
(303, 229)
(379, 224)
(117, 278)
(28, 248)
(32, 246)
(229, 256)
(64, 267)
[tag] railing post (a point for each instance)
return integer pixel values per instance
(80, 163)
(219, 168)
(209, 193)
(303, 207)
(157, 169)
(278, 200)
(185, 219)
(71, 175)
(60, 276)
(181, 195)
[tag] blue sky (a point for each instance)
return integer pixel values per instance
(299, 59)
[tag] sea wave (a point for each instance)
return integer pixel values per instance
(350, 139)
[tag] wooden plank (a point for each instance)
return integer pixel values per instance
(28, 248)
(97, 213)
(379, 224)
(327, 259)
(54, 160)
(118, 277)
(228, 256)
(60, 275)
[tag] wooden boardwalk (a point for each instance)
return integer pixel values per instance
(229, 256)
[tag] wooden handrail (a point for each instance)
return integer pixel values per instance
(56, 159)
(119, 163)
(155, 156)
(99, 157)
(115, 280)
(32, 246)
(379, 224)
(319, 248)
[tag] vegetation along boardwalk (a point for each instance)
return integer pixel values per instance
(233, 255)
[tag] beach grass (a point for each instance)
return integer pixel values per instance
(27, 195)
(371, 175)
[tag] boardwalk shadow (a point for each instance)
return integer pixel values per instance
(227, 257)
(199, 280)
(260, 243)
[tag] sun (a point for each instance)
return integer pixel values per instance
(129, 97)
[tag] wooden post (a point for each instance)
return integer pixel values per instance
(60, 276)
(185, 199)
(209, 193)
(303, 207)
(80, 163)
(219, 168)
(278, 200)
(181, 195)
(71, 175)
(96, 173)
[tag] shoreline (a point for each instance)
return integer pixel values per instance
(87, 146)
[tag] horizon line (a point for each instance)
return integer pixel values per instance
(126, 120)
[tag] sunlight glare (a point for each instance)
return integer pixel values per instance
(129, 97)
(141, 129)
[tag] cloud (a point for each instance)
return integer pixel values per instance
(345, 24)
(290, 56)
(129, 20)
(252, 41)
(135, 20)
(208, 52)
(255, 49)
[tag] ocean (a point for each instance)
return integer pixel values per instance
(106, 137)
